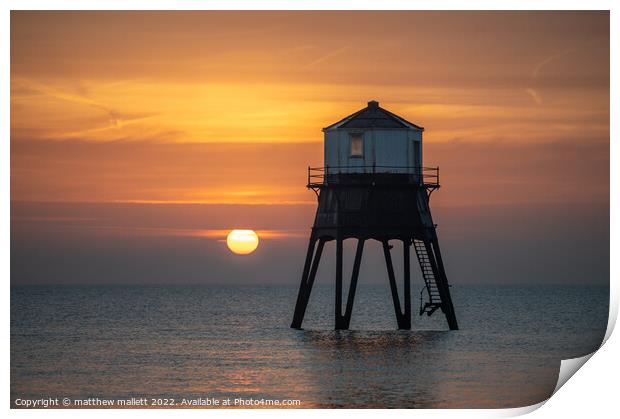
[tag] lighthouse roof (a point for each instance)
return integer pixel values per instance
(373, 116)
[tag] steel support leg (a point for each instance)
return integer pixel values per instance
(339, 320)
(353, 285)
(307, 280)
(407, 284)
(443, 287)
(390, 268)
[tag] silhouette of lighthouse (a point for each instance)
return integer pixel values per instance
(374, 186)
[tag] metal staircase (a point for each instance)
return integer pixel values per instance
(430, 282)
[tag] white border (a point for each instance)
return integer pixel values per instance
(309, 5)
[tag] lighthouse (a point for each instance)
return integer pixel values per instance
(374, 186)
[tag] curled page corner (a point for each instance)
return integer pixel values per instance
(568, 367)
(520, 411)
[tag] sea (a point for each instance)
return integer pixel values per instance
(175, 346)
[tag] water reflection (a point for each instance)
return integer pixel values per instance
(121, 342)
(369, 368)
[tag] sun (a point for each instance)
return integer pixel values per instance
(242, 242)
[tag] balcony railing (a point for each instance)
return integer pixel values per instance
(422, 176)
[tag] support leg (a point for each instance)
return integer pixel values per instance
(304, 277)
(307, 280)
(393, 288)
(339, 320)
(442, 284)
(353, 285)
(407, 283)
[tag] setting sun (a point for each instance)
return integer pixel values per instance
(242, 242)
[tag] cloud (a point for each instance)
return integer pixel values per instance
(84, 224)
(325, 57)
(116, 119)
(66, 95)
(538, 68)
(535, 96)
(161, 172)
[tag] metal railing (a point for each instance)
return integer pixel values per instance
(320, 176)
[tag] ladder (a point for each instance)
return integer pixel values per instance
(430, 282)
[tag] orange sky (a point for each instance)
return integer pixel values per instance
(104, 91)
(227, 108)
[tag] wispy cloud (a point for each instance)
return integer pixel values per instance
(325, 57)
(68, 96)
(538, 68)
(116, 119)
(534, 94)
(68, 224)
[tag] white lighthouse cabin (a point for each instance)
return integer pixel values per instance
(373, 140)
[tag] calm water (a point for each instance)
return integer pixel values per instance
(216, 341)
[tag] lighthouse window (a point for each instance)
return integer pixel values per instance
(357, 146)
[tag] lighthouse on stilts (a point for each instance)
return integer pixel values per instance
(374, 186)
